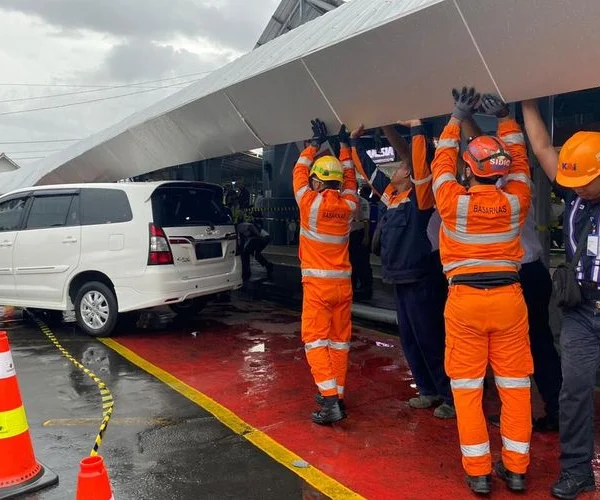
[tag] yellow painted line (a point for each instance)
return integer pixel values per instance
(316, 478)
(71, 422)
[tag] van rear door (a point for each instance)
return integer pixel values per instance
(201, 234)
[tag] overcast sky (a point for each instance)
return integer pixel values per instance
(109, 42)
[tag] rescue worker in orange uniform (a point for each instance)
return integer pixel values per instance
(409, 264)
(326, 193)
(486, 315)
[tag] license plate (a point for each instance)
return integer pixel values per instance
(208, 250)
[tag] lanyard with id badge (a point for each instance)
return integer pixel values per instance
(593, 241)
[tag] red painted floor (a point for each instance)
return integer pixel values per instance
(249, 358)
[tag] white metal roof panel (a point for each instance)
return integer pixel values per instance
(372, 61)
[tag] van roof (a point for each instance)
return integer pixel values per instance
(148, 187)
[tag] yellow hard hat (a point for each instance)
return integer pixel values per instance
(579, 160)
(328, 168)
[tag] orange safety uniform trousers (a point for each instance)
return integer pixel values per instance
(481, 326)
(326, 332)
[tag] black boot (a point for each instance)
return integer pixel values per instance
(482, 485)
(514, 481)
(569, 485)
(320, 400)
(329, 413)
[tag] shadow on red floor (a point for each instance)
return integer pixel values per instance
(248, 357)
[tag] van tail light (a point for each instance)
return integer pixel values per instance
(160, 252)
(236, 237)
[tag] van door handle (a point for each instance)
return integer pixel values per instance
(70, 239)
(6, 243)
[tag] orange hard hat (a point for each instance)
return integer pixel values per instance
(579, 160)
(487, 156)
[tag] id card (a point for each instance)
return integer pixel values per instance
(592, 245)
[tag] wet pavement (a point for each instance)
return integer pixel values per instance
(244, 362)
(159, 445)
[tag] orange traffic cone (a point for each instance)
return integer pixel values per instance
(92, 481)
(19, 470)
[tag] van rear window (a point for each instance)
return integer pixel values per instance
(188, 206)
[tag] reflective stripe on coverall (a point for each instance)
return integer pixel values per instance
(325, 220)
(481, 234)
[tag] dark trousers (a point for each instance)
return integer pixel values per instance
(360, 259)
(537, 290)
(580, 358)
(421, 327)
(253, 248)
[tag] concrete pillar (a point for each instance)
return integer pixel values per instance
(278, 163)
(209, 170)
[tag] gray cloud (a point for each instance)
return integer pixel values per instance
(145, 60)
(230, 23)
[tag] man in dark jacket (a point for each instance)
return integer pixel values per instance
(253, 241)
(407, 262)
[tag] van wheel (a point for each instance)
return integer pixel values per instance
(96, 309)
(188, 308)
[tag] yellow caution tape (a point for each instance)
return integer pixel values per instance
(13, 423)
(107, 399)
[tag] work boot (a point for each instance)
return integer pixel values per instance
(321, 401)
(445, 411)
(569, 485)
(422, 402)
(547, 423)
(329, 413)
(514, 481)
(482, 485)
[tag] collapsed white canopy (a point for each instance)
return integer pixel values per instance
(370, 61)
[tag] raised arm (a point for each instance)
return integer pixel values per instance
(445, 186)
(421, 173)
(540, 139)
(349, 184)
(398, 143)
(366, 167)
(509, 131)
(302, 191)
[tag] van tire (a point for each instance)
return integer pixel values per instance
(188, 308)
(106, 300)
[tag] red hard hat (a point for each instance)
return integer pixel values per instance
(487, 156)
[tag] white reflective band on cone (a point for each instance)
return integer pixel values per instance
(516, 446)
(7, 367)
(513, 383)
(475, 450)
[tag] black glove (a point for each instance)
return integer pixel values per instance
(344, 135)
(491, 104)
(465, 103)
(319, 133)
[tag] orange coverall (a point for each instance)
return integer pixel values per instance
(325, 219)
(480, 237)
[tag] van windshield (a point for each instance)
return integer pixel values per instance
(188, 206)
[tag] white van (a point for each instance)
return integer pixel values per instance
(104, 249)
